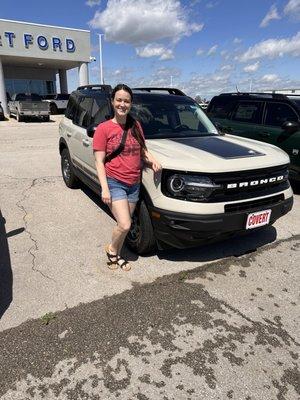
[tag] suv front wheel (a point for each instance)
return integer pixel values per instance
(67, 170)
(141, 237)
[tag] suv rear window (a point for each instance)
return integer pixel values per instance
(72, 106)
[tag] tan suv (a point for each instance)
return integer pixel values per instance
(211, 185)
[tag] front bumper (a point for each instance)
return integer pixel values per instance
(187, 230)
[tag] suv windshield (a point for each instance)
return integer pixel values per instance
(171, 117)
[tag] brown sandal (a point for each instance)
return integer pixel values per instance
(112, 262)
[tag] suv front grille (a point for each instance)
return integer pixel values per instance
(252, 205)
(232, 191)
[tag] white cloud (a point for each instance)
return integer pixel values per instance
(273, 48)
(226, 68)
(269, 78)
(155, 50)
(92, 3)
(237, 40)
(212, 50)
(252, 67)
(200, 52)
(138, 22)
(271, 14)
(292, 9)
(211, 4)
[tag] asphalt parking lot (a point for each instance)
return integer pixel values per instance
(214, 322)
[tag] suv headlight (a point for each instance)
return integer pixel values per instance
(190, 187)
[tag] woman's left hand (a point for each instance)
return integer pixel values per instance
(156, 166)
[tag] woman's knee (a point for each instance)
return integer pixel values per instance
(124, 226)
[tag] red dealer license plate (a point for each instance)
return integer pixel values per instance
(257, 219)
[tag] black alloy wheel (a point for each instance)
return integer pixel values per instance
(67, 170)
(141, 237)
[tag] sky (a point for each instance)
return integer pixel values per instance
(203, 47)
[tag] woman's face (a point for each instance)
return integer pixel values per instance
(121, 103)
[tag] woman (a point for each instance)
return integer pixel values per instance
(120, 177)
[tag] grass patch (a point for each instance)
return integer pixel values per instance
(47, 318)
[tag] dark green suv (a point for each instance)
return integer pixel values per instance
(268, 117)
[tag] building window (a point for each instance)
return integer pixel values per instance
(29, 86)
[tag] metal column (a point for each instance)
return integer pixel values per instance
(63, 82)
(83, 72)
(3, 98)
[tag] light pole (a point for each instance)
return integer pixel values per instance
(100, 57)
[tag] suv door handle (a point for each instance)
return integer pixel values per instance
(264, 134)
(69, 134)
(86, 142)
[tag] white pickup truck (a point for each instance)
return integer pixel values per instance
(23, 106)
(57, 102)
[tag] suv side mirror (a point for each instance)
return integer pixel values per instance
(290, 127)
(90, 130)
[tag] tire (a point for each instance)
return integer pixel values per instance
(67, 170)
(53, 109)
(141, 237)
(19, 117)
(46, 118)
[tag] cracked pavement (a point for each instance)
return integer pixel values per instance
(216, 322)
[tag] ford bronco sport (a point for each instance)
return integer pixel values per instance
(211, 185)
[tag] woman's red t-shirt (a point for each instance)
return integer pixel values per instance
(126, 167)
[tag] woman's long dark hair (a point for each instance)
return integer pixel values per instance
(131, 123)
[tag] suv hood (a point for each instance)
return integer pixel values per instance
(215, 153)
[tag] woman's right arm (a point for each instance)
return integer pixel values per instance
(99, 161)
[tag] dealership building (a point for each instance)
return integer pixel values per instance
(31, 55)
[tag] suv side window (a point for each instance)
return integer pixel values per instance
(61, 96)
(278, 113)
(221, 107)
(83, 115)
(72, 106)
(248, 111)
(100, 110)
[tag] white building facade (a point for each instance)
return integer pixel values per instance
(31, 55)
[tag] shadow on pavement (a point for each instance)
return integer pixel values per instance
(6, 277)
(235, 246)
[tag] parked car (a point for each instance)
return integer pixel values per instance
(24, 105)
(271, 118)
(211, 185)
(58, 102)
(2, 116)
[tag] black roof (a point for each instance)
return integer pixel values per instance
(255, 94)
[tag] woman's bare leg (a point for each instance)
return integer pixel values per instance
(122, 211)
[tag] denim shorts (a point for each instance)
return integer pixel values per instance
(119, 190)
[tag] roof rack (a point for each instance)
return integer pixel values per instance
(273, 95)
(174, 91)
(103, 88)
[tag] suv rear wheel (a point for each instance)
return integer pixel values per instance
(67, 170)
(141, 237)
